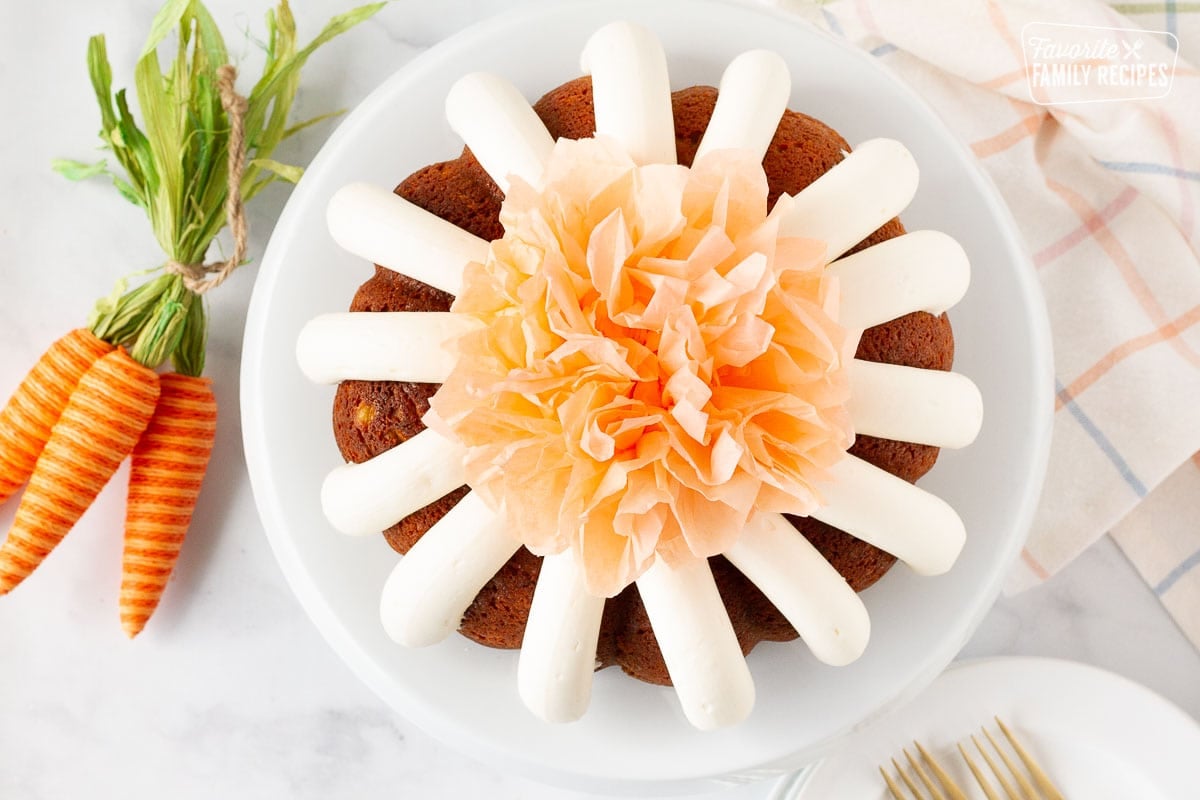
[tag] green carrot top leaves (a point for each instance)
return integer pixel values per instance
(176, 164)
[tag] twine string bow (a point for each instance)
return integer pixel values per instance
(203, 277)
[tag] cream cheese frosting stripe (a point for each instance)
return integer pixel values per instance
(751, 99)
(363, 499)
(849, 202)
(917, 527)
(373, 223)
(919, 271)
(631, 91)
(504, 133)
(698, 643)
(381, 346)
(924, 406)
(558, 653)
(428, 592)
(807, 590)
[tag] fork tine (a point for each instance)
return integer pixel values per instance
(980, 778)
(891, 784)
(1004, 784)
(1039, 775)
(934, 792)
(912, 787)
(948, 783)
(1027, 790)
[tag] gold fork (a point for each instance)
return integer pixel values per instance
(946, 789)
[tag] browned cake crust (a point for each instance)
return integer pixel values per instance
(371, 417)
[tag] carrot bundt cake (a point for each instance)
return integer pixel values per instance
(643, 378)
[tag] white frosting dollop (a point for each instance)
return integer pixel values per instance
(371, 222)
(631, 91)
(829, 616)
(925, 406)
(917, 527)
(849, 202)
(698, 643)
(428, 592)
(919, 271)
(363, 499)
(558, 653)
(500, 127)
(381, 346)
(751, 99)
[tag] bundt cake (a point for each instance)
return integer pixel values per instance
(371, 417)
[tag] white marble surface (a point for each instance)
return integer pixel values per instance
(230, 692)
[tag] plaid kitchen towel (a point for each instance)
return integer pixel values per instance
(1106, 195)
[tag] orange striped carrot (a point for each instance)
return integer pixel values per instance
(39, 401)
(107, 412)
(168, 467)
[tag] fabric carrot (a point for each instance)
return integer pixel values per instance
(107, 412)
(37, 404)
(198, 154)
(169, 463)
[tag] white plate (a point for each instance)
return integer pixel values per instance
(634, 733)
(1099, 736)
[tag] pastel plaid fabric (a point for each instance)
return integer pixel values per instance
(1106, 195)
